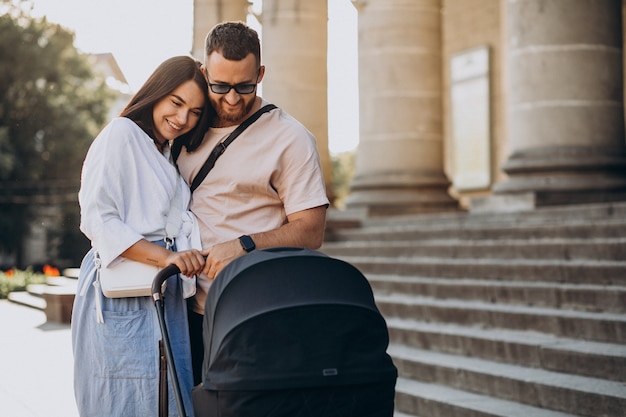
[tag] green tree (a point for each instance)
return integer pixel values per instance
(51, 107)
(343, 171)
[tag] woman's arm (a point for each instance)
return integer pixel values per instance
(190, 262)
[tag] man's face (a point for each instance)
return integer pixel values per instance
(232, 107)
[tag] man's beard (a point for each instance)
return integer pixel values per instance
(233, 117)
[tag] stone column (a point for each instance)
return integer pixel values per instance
(208, 13)
(566, 115)
(399, 161)
(294, 52)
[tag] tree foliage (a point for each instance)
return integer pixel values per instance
(343, 172)
(51, 106)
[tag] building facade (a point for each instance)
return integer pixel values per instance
(486, 105)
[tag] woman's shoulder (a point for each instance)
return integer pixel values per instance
(119, 137)
(122, 129)
(122, 124)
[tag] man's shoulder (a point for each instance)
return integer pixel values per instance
(286, 121)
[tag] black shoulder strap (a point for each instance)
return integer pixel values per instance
(221, 147)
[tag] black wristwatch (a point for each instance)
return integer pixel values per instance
(247, 243)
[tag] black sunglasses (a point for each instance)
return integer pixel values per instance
(239, 88)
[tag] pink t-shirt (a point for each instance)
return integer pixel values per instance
(269, 171)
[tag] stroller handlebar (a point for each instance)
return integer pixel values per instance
(160, 278)
(157, 297)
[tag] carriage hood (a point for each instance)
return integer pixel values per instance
(291, 318)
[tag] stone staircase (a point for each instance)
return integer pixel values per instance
(508, 314)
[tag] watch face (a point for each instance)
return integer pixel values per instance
(247, 243)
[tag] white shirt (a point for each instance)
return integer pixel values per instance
(126, 188)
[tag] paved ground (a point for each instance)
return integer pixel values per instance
(35, 364)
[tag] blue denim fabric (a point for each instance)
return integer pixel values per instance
(116, 364)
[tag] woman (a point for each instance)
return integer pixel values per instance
(127, 183)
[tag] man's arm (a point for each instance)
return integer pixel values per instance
(303, 229)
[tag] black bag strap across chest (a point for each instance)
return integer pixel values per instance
(221, 147)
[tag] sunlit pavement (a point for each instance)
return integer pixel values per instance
(35, 364)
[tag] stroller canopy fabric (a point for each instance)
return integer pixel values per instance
(292, 318)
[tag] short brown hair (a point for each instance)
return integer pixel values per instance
(234, 41)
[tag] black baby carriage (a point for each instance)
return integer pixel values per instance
(293, 332)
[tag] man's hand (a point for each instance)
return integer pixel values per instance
(304, 229)
(221, 255)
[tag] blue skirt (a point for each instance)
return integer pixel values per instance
(116, 363)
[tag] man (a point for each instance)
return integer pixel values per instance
(267, 188)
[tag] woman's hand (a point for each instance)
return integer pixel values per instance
(190, 262)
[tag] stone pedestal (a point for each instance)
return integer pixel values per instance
(59, 303)
(399, 164)
(566, 113)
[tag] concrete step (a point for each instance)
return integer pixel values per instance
(414, 232)
(42, 290)
(554, 216)
(586, 297)
(36, 290)
(427, 399)
(62, 281)
(71, 273)
(27, 299)
(546, 248)
(533, 387)
(600, 327)
(525, 348)
(400, 414)
(599, 272)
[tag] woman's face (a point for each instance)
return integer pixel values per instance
(178, 112)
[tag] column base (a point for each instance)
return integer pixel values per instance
(400, 194)
(527, 201)
(565, 169)
(558, 176)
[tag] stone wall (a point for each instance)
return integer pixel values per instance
(468, 24)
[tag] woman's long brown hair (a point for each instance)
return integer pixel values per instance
(166, 78)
